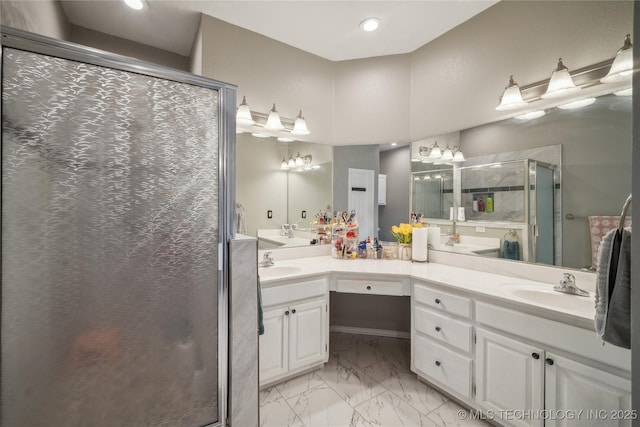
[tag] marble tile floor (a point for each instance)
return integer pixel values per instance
(367, 382)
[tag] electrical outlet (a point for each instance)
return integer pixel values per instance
(304, 214)
(269, 214)
(480, 229)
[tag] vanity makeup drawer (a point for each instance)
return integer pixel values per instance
(453, 332)
(372, 287)
(443, 365)
(442, 301)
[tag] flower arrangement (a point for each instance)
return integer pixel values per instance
(404, 232)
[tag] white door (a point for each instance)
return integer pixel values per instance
(308, 333)
(570, 385)
(510, 375)
(274, 344)
(361, 199)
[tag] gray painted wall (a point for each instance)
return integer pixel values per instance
(126, 47)
(396, 165)
(358, 157)
(596, 170)
(44, 17)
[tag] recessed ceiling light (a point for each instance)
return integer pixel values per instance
(135, 4)
(393, 144)
(370, 24)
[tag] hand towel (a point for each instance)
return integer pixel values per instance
(613, 289)
(511, 250)
(241, 225)
(260, 311)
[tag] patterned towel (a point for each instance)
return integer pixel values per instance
(599, 226)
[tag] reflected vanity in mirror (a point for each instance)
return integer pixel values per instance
(535, 182)
(275, 203)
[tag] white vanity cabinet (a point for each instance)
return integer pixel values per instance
(296, 324)
(552, 374)
(441, 338)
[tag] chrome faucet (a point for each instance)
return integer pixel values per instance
(287, 230)
(568, 286)
(450, 241)
(267, 260)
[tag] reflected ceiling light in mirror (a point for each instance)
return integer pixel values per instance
(135, 4)
(299, 161)
(273, 121)
(300, 125)
(622, 66)
(291, 163)
(560, 83)
(370, 24)
(624, 92)
(259, 135)
(531, 115)
(243, 115)
(577, 104)
(285, 139)
(284, 165)
(512, 97)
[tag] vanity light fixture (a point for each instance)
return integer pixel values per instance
(512, 97)
(297, 162)
(458, 157)
(370, 24)
(300, 125)
(560, 83)
(135, 4)
(577, 104)
(436, 153)
(243, 115)
(284, 165)
(291, 163)
(622, 66)
(273, 121)
(447, 154)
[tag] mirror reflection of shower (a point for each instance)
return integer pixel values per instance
(432, 193)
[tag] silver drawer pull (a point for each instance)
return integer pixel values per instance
(437, 300)
(438, 363)
(438, 328)
(368, 287)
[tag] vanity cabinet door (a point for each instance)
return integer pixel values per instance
(274, 344)
(308, 329)
(509, 376)
(569, 385)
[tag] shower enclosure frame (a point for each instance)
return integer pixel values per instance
(22, 40)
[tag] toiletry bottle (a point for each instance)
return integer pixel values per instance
(480, 205)
(475, 206)
(489, 205)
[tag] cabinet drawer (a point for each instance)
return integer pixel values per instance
(284, 294)
(442, 301)
(443, 328)
(373, 287)
(449, 368)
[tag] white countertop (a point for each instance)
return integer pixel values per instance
(481, 285)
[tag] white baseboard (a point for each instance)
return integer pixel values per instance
(370, 331)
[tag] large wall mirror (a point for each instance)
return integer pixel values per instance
(278, 204)
(534, 182)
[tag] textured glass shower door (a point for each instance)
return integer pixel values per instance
(110, 231)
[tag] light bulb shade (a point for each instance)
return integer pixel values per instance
(243, 115)
(300, 126)
(273, 121)
(622, 66)
(436, 153)
(458, 157)
(512, 97)
(447, 154)
(291, 163)
(284, 164)
(577, 104)
(299, 160)
(560, 83)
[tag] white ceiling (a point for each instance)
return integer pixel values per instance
(329, 29)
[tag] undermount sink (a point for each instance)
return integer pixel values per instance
(278, 271)
(549, 297)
